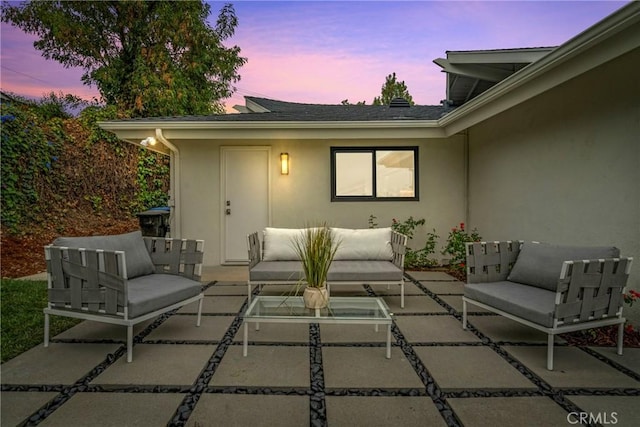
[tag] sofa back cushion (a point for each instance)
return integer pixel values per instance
(540, 264)
(137, 257)
(279, 243)
(373, 244)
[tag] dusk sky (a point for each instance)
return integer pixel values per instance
(324, 52)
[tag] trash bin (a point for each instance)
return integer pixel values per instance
(155, 221)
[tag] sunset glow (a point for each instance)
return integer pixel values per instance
(325, 52)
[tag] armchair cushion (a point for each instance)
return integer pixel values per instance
(138, 260)
(527, 302)
(155, 291)
(540, 264)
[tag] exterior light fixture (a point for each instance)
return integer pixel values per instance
(148, 141)
(284, 163)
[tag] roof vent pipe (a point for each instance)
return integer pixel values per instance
(399, 103)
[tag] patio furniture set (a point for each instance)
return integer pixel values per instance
(127, 279)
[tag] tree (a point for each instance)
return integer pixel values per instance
(148, 58)
(392, 88)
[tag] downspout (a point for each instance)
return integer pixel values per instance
(174, 185)
(466, 177)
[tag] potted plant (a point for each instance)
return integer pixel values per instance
(316, 248)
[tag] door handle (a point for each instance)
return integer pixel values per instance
(228, 211)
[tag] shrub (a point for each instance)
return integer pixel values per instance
(455, 247)
(419, 258)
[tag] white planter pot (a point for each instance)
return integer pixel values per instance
(315, 297)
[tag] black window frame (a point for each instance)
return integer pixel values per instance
(374, 197)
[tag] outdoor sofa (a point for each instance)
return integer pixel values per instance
(364, 256)
(554, 289)
(122, 279)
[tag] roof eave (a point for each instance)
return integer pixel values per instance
(136, 130)
(583, 52)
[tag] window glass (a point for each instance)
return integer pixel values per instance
(394, 173)
(374, 173)
(354, 175)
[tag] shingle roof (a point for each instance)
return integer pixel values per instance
(296, 112)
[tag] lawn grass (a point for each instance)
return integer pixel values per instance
(22, 319)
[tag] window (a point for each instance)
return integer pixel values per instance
(380, 173)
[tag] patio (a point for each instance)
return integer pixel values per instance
(332, 375)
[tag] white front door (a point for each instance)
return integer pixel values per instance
(245, 198)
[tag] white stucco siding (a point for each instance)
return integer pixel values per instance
(565, 166)
(304, 196)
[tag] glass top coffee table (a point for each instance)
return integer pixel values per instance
(341, 310)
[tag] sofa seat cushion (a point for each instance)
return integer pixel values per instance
(540, 264)
(155, 291)
(527, 302)
(364, 271)
(267, 271)
(340, 271)
(137, 257)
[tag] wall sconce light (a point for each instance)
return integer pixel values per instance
(148, 141)
(284, 163)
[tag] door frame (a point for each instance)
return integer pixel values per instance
(223, 195)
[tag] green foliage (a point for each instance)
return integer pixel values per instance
(407, 227)
(316, 249)
(456, 246)
(22, 317)
(29, 150)
(149, 58)
(415, 259)
(391, 89)
(52, 165)
(61, 106)
(151, 177)
(89, 118)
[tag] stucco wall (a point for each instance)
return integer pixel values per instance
(304, 195)
(565, 166)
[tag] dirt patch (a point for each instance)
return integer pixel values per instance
(23, 254)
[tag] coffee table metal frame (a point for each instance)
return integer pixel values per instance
(341, 310)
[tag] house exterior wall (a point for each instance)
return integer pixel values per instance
(564, 167)
(304, 196)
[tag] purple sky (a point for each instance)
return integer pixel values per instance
(324, 52)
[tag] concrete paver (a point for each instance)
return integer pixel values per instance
(56, 364)
(367, 367)
(16, 406)
(501, 329)
(317, 374)
(434, 329)
(115, 410)
(382, 411)
(183, 328)
(414, 304)
(476, 367)
(164, 364)
(621, 411)
(232, 410)
(509, 411)
(264, 366)
(572, 367)
(444, 288)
